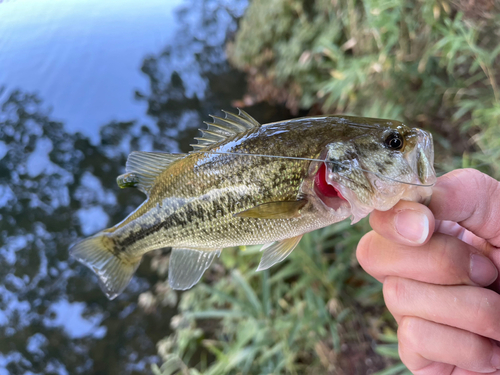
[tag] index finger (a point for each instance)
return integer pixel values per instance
(470, 198)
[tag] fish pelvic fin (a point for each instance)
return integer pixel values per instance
(114, 270)
(144, 167)
(276, 252)
(187, 266)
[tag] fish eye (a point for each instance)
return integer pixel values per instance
(394, 141)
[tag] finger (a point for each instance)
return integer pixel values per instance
(473, 309)
(470, 198)
(411, 223)
(407, 223)
(428, 348)
(443, 260)
(456, 230)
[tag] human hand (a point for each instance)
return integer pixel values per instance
(435, 264)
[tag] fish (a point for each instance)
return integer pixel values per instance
(246, 183)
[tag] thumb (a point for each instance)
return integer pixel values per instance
(471, 199)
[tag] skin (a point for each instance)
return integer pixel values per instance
(439, 266)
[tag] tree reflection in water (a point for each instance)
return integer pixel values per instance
(56, 187)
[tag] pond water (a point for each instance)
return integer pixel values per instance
(83, 83)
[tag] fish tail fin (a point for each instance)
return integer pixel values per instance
(113, 269)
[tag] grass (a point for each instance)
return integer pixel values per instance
(430, 63)
(303, 316)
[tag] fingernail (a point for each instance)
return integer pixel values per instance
(412, 225)
(482, 270)
(495, 358)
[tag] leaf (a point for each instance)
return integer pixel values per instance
(247, 289)
(398, 369)
(216, 314)
(389, 350)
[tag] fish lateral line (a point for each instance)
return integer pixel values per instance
(312, 159)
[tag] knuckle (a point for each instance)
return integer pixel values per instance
(492, 213)
(485, 313)
(467, 179)
(364, 251)
(440, 257)
(468, 175)
(479, 214)
(481, 182)
(404, 353)
(445, 259)
(478, 357)
(395, 292)
(408, 337)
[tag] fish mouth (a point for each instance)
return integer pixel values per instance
(425, 158)
(328, 194)
(337, 197)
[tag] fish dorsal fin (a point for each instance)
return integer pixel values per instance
(275, 252)
(274, 210)
(144, 167)
(186, 266)
(223, 128)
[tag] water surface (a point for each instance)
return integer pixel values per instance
(83, 84)
(83, 57)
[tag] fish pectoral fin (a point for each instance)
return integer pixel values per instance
(188, 265)
(275, 252)
(113, 271)
(144, 167)
(274, 210)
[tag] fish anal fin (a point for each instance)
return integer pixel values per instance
(275, 210)
(223, 128)
(187, 266)
(275, 252)
(113, 271)
(144, 167)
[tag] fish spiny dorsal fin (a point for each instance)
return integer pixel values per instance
(223, 128)
(144, 167)
(249, 119)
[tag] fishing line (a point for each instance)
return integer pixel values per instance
(311, 159)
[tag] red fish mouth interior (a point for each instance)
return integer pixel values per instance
(326, 192)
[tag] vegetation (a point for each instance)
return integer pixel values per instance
(430, 63)
(57, 187)
(299, 318)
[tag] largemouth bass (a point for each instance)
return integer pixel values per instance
(247, 183)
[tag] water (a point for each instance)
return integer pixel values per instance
(83, 84)
(83, 57)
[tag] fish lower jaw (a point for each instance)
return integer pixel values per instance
(330, 196)
(335, 203)
(346, 204)
(335, 206)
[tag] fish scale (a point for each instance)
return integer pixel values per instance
(229, 193)
(211, 230)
